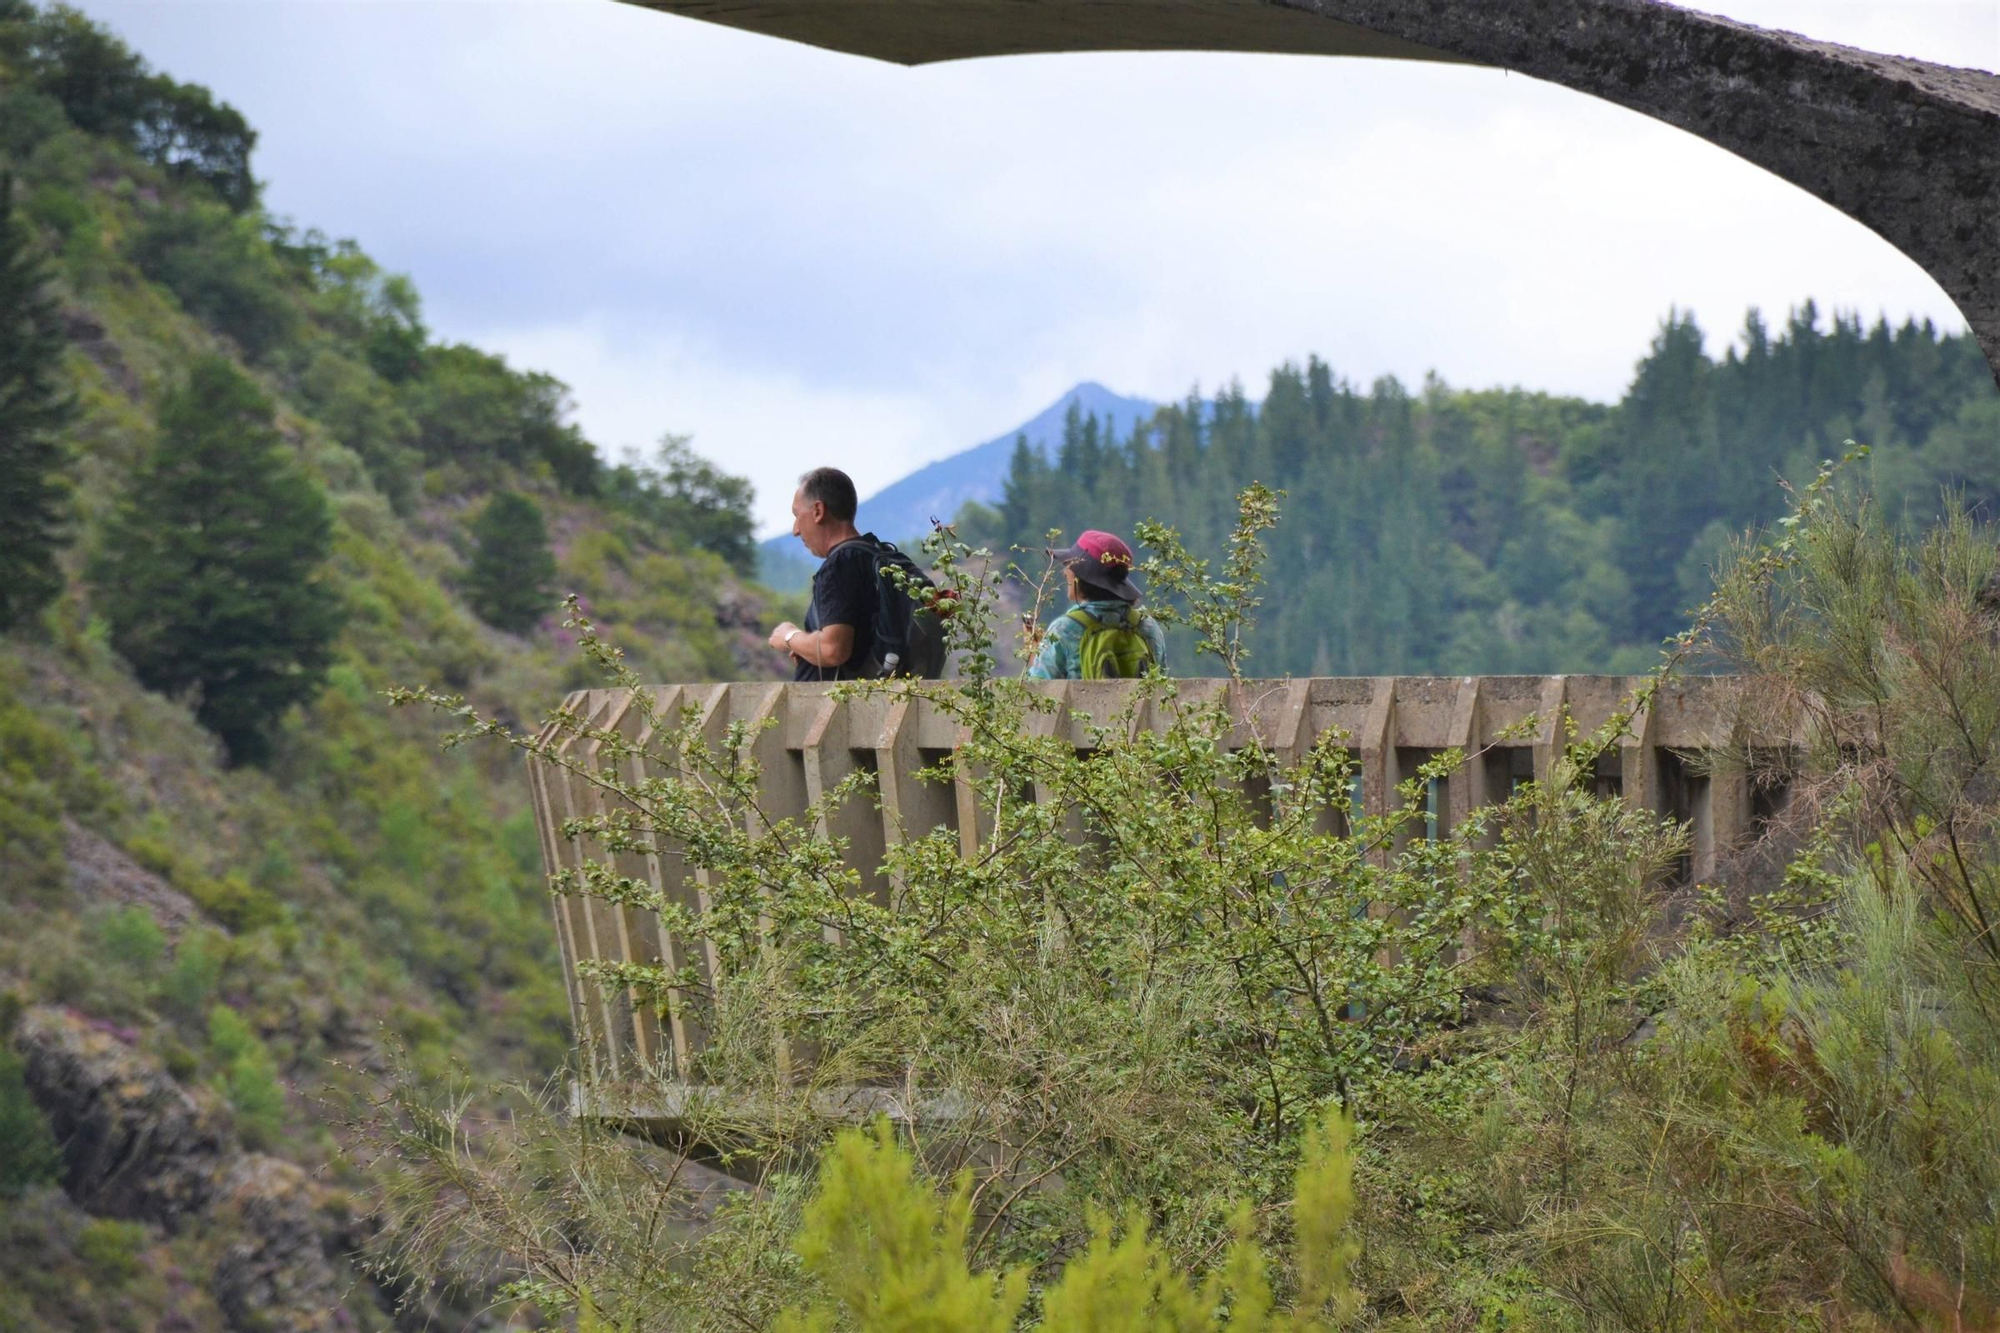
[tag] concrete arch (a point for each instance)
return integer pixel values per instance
(1907, 148)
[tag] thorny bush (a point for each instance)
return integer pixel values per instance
(1173, 951)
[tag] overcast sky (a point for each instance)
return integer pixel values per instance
(802, 257)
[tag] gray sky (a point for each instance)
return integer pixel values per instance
(803, 257)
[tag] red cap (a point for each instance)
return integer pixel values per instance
(1103, 560)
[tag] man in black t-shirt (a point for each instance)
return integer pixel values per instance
(839, 632)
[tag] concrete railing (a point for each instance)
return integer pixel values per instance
(806, 742)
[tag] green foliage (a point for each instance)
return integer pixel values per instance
(42, 777)
(131, 940)
(34, 482)
(363, 413)
(472, 409)
(258, 1100)
(28, 1154)
(890, 1257)
(213, 588)
(223, 271)
(31, 831)
(111, 1248)
(890, 1254)
(682, 493)
(186, 989)
(353, 879)
(510, 582)
(249, 1078)
(1505, 531)
(229, 1037)
(234, 901)
(106, 90)
(67, 1272)
(1630, 1105)
(1325, 1246)
(1149, 1020)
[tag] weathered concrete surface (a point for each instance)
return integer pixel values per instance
(1908, 148)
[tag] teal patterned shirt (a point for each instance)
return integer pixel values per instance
(1061, 657)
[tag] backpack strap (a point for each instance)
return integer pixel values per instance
(1091, 622)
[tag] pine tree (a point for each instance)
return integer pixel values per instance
(1670, 458)
(34, 489)
(209, 576)
(1025, 470)
(512, 571)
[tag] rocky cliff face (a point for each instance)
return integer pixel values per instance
(138, 1145)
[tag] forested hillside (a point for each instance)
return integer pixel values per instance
(243, 491)
(1459, 531)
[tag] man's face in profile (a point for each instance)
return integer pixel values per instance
(809, 522)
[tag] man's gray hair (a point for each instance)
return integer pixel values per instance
(834, 489)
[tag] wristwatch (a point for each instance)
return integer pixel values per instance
(788, 640)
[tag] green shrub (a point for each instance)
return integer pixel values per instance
(235, 902)
(249, 1077)
(42, 777)
(60, 210)
(181, 1062)
(156, 855)
(111, 1248)
(229, 1037)
(407, 838)
(132, 940)
(345, 679)
(28, 1154)
(276, 866)
(523, 843)
(891, 1257)
(362, 413)
(223, 272)
(258, 1100)
(186, 989)
(32, 865)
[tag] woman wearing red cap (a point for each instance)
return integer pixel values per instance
(1103, 635)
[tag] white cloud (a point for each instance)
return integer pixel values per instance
(802, 257)
(767, 426)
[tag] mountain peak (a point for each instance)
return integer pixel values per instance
(904, 509)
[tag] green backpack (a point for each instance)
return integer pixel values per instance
(1112, 649)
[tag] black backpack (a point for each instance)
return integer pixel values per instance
(908, 639)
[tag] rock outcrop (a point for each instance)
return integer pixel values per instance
(100, 871)
(138, 1145)
(275, 1273)
(135, 1143)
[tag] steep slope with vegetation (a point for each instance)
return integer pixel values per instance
(242, 492)
(1454, 531)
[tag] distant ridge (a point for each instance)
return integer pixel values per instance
(903, 509)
